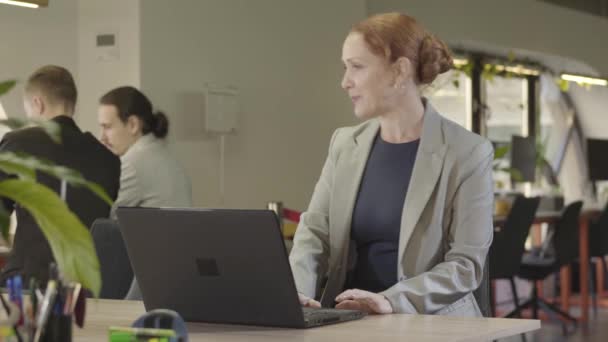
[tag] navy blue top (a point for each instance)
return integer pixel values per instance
(376, 220)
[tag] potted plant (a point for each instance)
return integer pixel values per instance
(501, 204)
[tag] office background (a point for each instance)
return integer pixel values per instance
(284, 58)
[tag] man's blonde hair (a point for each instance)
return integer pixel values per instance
(56, 84)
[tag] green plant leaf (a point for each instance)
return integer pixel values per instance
(51, 128)
(487, 75)
(5, 221)
(5, 86)
(467, 69)
(16, 169)
(515, 173)
(501, 151)
(14, 123)
(19, 164)
(74, 178)
(563, 85)
(511, 56)
(70, 240)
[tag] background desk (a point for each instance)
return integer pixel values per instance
(103, 313)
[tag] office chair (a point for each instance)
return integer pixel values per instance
(598, 249)
(507, 247)
(560, 248)
(115, 267)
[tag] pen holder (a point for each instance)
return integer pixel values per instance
(58, 329)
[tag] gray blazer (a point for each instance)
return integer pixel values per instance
(446, 226)
(151, 177)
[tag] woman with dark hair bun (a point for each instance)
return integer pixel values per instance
(150, 175)
(400, 220)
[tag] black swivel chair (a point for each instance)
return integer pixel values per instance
(560, 248)
(508, 245)
(115, 267)
(598, 248)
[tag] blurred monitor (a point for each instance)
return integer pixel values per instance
(523, 156)
(597, 159)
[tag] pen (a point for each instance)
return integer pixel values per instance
(39, 295)
(11, 285)
(33, 296)
(77, 288)
(68, 301)
(10, 289)
(18, 294)
(45, 308)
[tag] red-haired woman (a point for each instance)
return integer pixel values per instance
(401, 217)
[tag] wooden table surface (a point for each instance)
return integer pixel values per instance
(398, 327)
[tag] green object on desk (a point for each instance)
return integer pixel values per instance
(128, 334)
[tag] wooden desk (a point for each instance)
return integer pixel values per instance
(104, 313)
(583, 233)
(541, 217)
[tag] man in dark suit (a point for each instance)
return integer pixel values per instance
(50, 94)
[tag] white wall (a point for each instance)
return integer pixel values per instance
(591, 104)
(284, 56)
(524, 24)
(64, 34)
(97, 76)
(31, 38)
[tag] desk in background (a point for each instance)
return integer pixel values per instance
(103, 313)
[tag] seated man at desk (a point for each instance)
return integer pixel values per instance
(50, 94)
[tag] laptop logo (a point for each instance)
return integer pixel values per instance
(207, 267)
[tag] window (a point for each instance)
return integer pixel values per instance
(450, 94)
(507, 108)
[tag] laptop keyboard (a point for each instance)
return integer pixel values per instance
(321, 312)
(321, 316)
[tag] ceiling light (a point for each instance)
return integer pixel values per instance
(460, 62)
(26, 3)
(517, 69)
(585, 80)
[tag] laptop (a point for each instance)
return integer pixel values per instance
(219, 266)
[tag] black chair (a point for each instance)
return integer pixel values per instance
(560, 248)
(508, 245)
(598, 249)
(116, 272)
